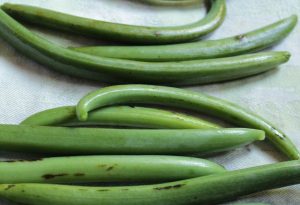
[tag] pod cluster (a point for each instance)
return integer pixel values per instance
(130, 133)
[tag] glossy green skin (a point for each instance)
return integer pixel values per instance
(121, 71)
(212, 189)
(60, 140)
(180, 98)
(120, 32)
(245, 43)
(106, 169)
(121, 116)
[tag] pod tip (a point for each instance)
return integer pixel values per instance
(294, 17)
(287, 55)
(261, 135)
(82, 116)
(293, 20)
(284, 56)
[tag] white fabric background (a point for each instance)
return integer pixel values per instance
(26, 87)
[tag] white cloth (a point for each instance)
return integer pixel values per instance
(26, 87)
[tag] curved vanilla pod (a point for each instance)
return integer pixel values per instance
(121, 32)
(237, 45)
(181, 98)
(111, 70)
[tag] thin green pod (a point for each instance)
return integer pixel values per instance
(88, 141)
(120, 32)
(106, 169)
(244, 43)
(212, 189)
(181, 98)
(111, 70)
(121, 116)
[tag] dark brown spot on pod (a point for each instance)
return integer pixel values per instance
(23, 160)
(240, 37)
(9, 187)
(79, 174)
(177, 186)
(110, 168)
(52, 176)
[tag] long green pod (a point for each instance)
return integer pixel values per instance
(61, 140)
(121, 71)
(181, 98)
(121, 116)
(120, 32)
(244, 43)
(106, 169)
(212, 189)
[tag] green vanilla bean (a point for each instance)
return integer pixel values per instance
(106, 169)
(123, 116)
(181, 98)
(111, 70)
(120, 32)
(212, 189)
(88, 141)
(240, 44)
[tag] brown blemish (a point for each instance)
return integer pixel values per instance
(9, 187)
(51, 176)
(240, 37)
(107, 167)
(157, 33)
(125, 189)
(177, 186)
(23, 160)
(110, 168)
(79, 174)
(101, 190)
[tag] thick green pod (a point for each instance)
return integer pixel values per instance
(212, 189)
(121, 71)
(84, 141)
(106, 169)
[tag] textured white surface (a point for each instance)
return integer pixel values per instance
(26, 88)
